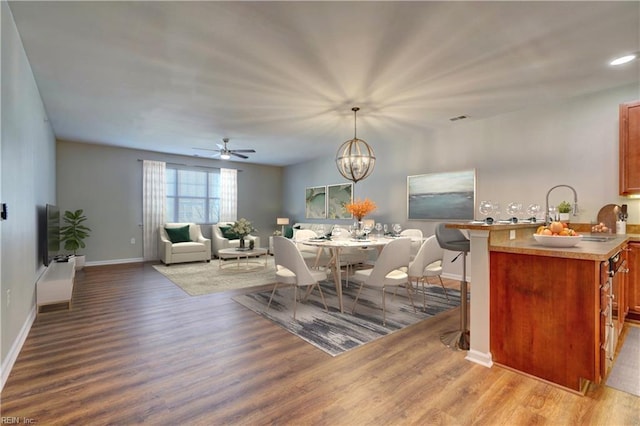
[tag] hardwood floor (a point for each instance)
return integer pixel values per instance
(136, 349)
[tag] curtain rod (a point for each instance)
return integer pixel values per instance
(193, 165)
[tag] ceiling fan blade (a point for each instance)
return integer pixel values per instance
(235, 154)
(243, 150)
(221, 146)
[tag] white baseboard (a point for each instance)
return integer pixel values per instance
(481, 358)
(115, 261)
(12, 356)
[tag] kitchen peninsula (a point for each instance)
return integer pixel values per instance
(540, 310)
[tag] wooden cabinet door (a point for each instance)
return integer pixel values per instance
(630, 148)
(633, 281)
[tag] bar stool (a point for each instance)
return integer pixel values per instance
(454, 240)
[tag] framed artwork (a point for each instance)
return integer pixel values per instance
(339, 196)
(442, 196)
(316, 202)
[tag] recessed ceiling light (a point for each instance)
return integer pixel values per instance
(623, 60)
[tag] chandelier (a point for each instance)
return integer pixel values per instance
(355, 158)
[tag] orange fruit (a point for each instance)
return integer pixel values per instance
(556, 227)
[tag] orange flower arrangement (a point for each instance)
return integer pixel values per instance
(360, 209)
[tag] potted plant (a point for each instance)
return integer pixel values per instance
(73, 233)
(564, 209)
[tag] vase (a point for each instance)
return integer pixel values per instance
(242, 241)
(358, 230)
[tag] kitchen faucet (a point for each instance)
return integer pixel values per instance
(575, 202)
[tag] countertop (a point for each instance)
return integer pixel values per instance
(524, 243)
(586, 250)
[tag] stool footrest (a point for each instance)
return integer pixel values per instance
(456, 340)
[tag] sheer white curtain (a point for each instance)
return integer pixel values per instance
(228, 195)
(154, 196)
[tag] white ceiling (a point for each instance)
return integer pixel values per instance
(281, 77)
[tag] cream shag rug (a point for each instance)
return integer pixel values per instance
(198, 278)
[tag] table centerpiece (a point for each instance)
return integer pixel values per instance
(359, 209)
(242, 227)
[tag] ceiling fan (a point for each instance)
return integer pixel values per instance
(225, 153)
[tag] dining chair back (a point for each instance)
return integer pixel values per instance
(349, 256)
(416, 239)
(386, 272)
(315, 257)
(292, 270)
(427, 263)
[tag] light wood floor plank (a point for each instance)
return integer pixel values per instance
(135, 349)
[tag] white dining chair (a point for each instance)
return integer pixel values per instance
(292, 270)
(315, 257)
(350, 257)
(416, 239)
(386, 273)
(427, 263)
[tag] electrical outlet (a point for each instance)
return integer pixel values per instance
(512, 234)
(8, 297)
(133, 241)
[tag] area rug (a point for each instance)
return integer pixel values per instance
(336, 332)
(625, 373)
(198, 278)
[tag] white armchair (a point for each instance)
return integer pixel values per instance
(198, 248)
(221, 242)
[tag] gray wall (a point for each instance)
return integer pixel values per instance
(517, 157)
(106, 182)
(28, 181)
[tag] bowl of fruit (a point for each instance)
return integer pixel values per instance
(557, 234)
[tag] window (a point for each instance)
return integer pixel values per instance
(193, 195)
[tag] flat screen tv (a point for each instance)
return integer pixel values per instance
(51, 240)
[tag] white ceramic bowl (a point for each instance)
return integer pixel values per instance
(557, 240)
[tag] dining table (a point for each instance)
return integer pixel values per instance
(337, 245)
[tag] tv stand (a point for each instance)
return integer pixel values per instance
(56, 284)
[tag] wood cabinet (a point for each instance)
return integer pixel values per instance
(630, 148)
(633, 282)
(548, 317)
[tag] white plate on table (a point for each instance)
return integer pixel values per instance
(557, 240)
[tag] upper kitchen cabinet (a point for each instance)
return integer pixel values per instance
(630, 148)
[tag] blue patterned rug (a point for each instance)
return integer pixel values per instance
(336, 332)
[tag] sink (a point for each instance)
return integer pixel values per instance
(598, 238)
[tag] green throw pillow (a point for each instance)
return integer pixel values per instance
(178, 235)
(228, 233)
(288, 232)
